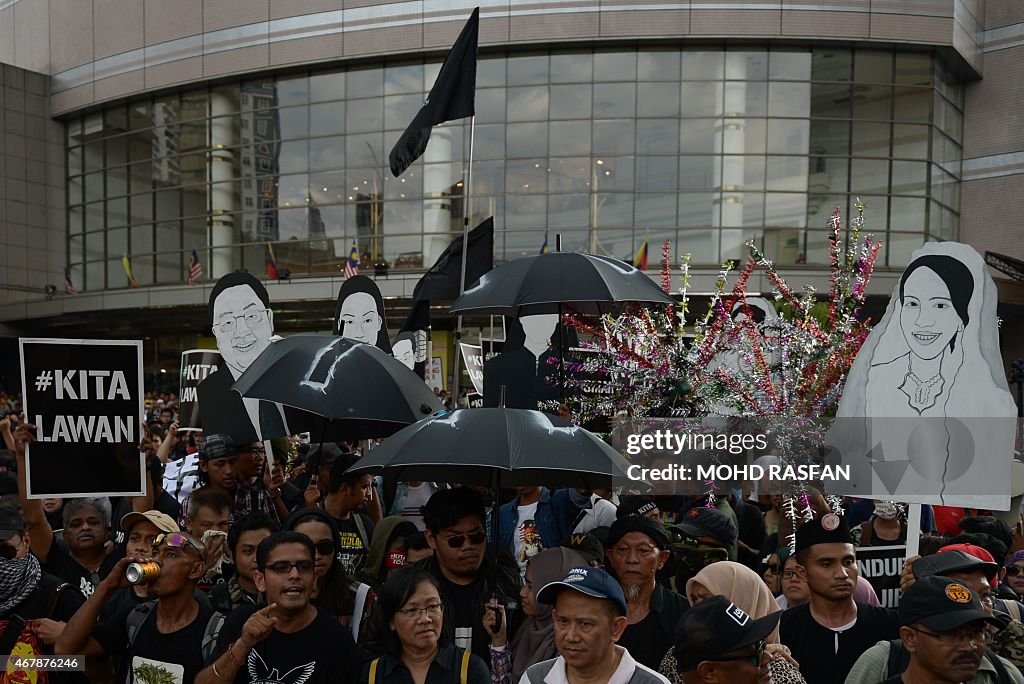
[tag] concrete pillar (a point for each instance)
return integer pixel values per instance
(221, 169)
(438, 178)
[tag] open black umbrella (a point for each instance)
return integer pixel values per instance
(497, 447)
(338, 387)
(545, 283)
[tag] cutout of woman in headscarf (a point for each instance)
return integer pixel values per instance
(930, 380)
(359, 313)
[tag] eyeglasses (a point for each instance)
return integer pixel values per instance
(252, 318)
(457, 540)
(255, 451)
(1014, 570)
(176, 540)
(788, 574)
(433, 610)
(284, 567)
(752, 658)
(324, 548)
(975, 636)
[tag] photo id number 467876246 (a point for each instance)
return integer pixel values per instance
(42, 663)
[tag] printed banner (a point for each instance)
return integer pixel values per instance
(881, 566)
(473, 354)
(86, 399)
(196, 364)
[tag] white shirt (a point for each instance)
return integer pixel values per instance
(622, 675)
(601, 513)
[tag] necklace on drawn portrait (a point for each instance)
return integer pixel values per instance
(921, 394)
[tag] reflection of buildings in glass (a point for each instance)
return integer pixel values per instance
(316, 229)
(165, 145)
(260, 148)
(369, 210)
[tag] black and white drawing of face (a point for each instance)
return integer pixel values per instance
(359, 319)
(404, 352)
(927, 317)
(242, 326)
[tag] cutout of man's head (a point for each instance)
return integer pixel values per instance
(241, 319)
(405, 349)
(359, 313)
(538, 330)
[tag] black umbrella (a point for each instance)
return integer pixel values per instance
(344, 389)
(543, 284)
(497, 447)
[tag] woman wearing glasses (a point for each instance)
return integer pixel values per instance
(336, 592)
(746, 591)
(410, 620)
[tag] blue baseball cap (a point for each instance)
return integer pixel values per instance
(593, 582)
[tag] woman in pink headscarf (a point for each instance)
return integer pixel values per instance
(747, 591)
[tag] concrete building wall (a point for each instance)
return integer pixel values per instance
(32, 217)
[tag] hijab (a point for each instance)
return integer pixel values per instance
(534, 641)
(742, 587)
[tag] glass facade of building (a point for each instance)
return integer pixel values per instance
(706, 147)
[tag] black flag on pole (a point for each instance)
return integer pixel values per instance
(452, 97)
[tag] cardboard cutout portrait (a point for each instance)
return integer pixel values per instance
(524, 367)
(926, 401)
(766, 318)
(243, 325)
(359, 313)
(410, 348)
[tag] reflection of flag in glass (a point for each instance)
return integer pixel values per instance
(127, 264)
(544, 248)
(69, 287)
(640, 260)
(352, 263)
(271, 263)
(195, 269)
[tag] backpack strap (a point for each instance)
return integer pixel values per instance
(357, 613)
(1012, 608)
(899, 658)
(54, 598)
(464, 669)
(210, 636)
(136, 618)
(1002, 676)
(357, 518)
(373, 671)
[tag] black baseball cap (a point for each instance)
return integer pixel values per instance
(593, 582)
(941, 604)
(701, 521)
(320, 455)
(11, 522)
(587, 545)
(638, 523)
(947, 562)
(716, 626)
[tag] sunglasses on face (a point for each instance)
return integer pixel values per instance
(324, 547)
(752, 658)
(8, 552)
(1014, 570)
(457, 540)
(176, 540)
(772, 567)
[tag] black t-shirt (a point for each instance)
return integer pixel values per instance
(321, 653)
(827, 656)
(462, 599)
(60, 563)
(170, 658)
(641, 640)
(355, 545)
(37, 605)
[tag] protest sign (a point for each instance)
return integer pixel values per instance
(85, 398)
(196, 364)
(474, 357)
(881, 566)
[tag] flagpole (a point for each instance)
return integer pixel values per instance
(466, 210)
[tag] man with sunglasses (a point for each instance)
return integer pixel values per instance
(287, 638)
(160, 638)
(719, 643)
(637, 548)
(589, 618)
(701, 537)
(469, 578)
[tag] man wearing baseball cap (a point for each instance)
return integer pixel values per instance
(829, 633)
(943, 627)
(637, 548)
(589, 618)
(719, 642)
(701, 537)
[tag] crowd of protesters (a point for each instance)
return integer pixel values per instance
(284, 567)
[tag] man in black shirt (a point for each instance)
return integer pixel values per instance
(828, 634)
(346, 495)
(289, 639)
(469, 579)
(162, 638)
(34, 605)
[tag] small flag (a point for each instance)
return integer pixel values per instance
(195, 269)
(127, 264)
(352, 263)
(453, 96)
(544, 248)
(69, 287)
(271, 263)
(640, 260)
